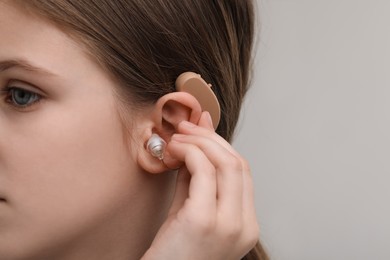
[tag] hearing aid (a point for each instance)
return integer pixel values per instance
(193, 84)
(156, 146)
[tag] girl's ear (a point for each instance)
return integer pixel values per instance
(174, 108)
(167, 113)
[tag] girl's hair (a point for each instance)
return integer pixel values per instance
(145, 44)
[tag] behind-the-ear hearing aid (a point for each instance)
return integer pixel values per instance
(193, 84)
(156, 146)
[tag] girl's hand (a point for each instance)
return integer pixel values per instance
(212, 215)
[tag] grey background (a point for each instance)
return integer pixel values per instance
(316, 129)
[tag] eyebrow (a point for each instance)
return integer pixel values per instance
(25, 65)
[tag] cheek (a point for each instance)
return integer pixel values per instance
(67, 169)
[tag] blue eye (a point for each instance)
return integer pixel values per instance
(21, 98)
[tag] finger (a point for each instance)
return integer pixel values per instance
(202, 192)
(206, 121)
(229, 173)
(196, 130)
(181, 190)
(186, 127)
(248, 210)
(248, 194)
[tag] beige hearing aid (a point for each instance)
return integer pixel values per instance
(193, 84)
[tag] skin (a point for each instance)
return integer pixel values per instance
(74, 188)
(65, 170)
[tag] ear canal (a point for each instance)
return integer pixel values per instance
(156, 146)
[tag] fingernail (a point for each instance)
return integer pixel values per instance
(176, 137)
(187, 124)
(209, 119)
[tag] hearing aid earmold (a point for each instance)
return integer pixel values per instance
(156, 146)
(193, 84)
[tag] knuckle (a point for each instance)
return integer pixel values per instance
(245, 165)
(253, 235)
(233, 163)
(232, 232)
(236, 164)
(203, 225)
(209, 167)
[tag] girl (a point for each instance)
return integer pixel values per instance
(85, 85)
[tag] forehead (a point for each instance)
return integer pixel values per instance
(28, 37)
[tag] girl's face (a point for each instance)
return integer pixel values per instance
(65, 171)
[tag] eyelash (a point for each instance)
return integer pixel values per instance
(9, 97)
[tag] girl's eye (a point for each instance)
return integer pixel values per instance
(21, 98)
